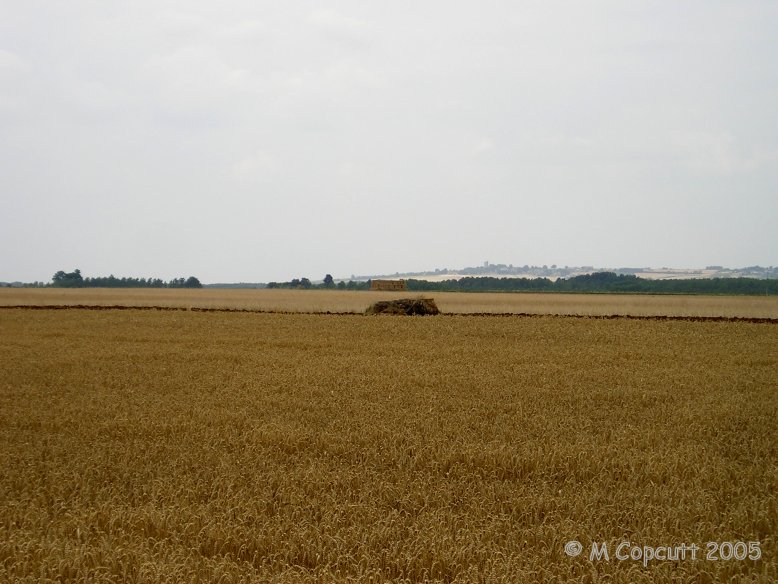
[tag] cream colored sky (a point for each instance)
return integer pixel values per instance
(257, 141)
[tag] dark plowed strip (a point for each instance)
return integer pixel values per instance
(166, 308)
(631, 317)
(493, 314)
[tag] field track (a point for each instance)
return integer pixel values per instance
(744, 319)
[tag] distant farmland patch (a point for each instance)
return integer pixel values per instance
(449, 302)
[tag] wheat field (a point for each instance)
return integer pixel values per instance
(358, 301)
(145, 446)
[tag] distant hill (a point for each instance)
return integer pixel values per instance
(555, 272)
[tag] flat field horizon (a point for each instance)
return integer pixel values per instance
(356, 301)
(172, 446)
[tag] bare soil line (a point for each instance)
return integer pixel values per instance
(744, 319)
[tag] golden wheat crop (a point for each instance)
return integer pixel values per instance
(142, 446)
(357, 301)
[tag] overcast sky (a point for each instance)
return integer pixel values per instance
(255, 140)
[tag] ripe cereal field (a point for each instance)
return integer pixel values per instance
(181, 446)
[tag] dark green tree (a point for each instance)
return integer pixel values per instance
(70, 280)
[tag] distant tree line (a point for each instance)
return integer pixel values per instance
(599, 282)
(74, 279)
(327, 283)
(602, 282)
